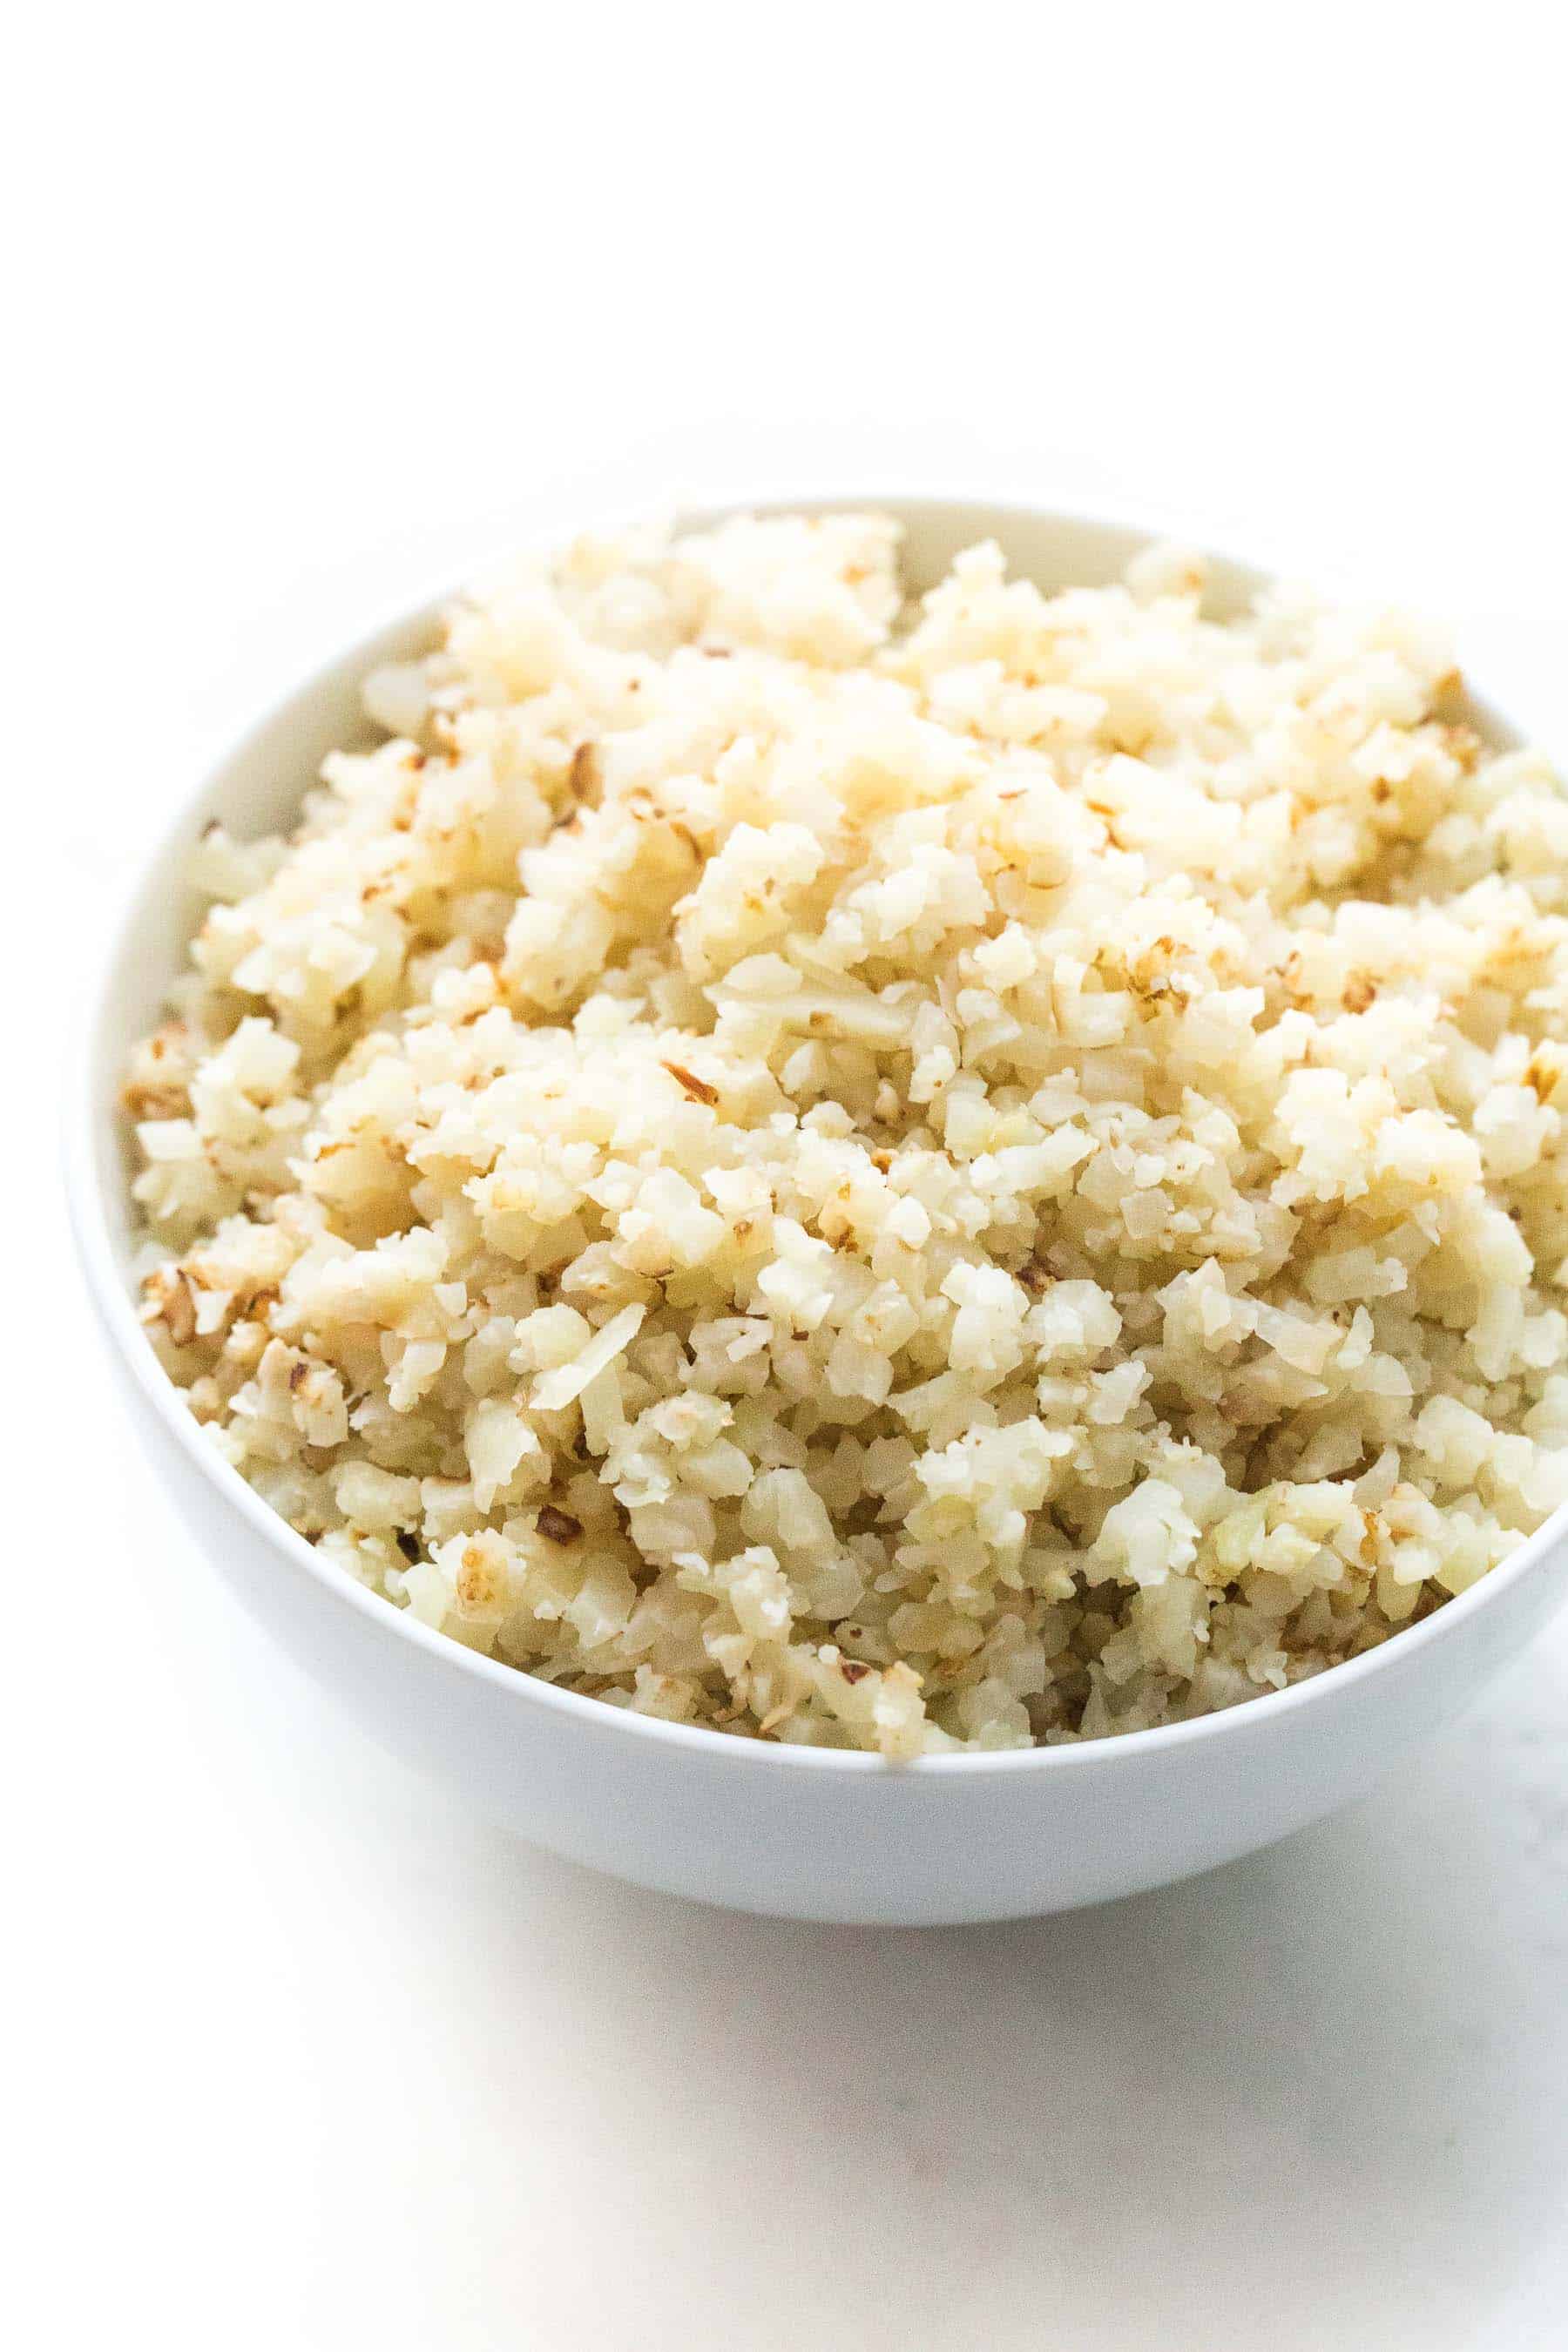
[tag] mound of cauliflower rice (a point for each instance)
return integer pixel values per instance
(884, 1173)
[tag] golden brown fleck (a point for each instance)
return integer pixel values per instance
(1545, 1068)
(1358, 993)
(144, 1101)
(583, 775)
(476, 1579)
(169, 1296)
(697, 1088)
(1463, 744)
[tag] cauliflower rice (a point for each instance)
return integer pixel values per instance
(882, 1176)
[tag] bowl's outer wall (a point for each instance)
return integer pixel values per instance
(902, 1848)
(723, 1820)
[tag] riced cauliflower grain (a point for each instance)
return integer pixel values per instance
(881, 1174)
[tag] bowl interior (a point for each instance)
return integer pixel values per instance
(257, 787)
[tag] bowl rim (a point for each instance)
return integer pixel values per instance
(102, 1272)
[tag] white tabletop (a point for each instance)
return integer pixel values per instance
(306, 2056)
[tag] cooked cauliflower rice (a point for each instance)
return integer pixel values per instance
(884, 1175)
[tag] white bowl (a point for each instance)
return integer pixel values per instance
(806, 1832)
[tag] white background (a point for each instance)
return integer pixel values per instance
(308, 308)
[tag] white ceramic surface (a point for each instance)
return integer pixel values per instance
(808, 1834)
